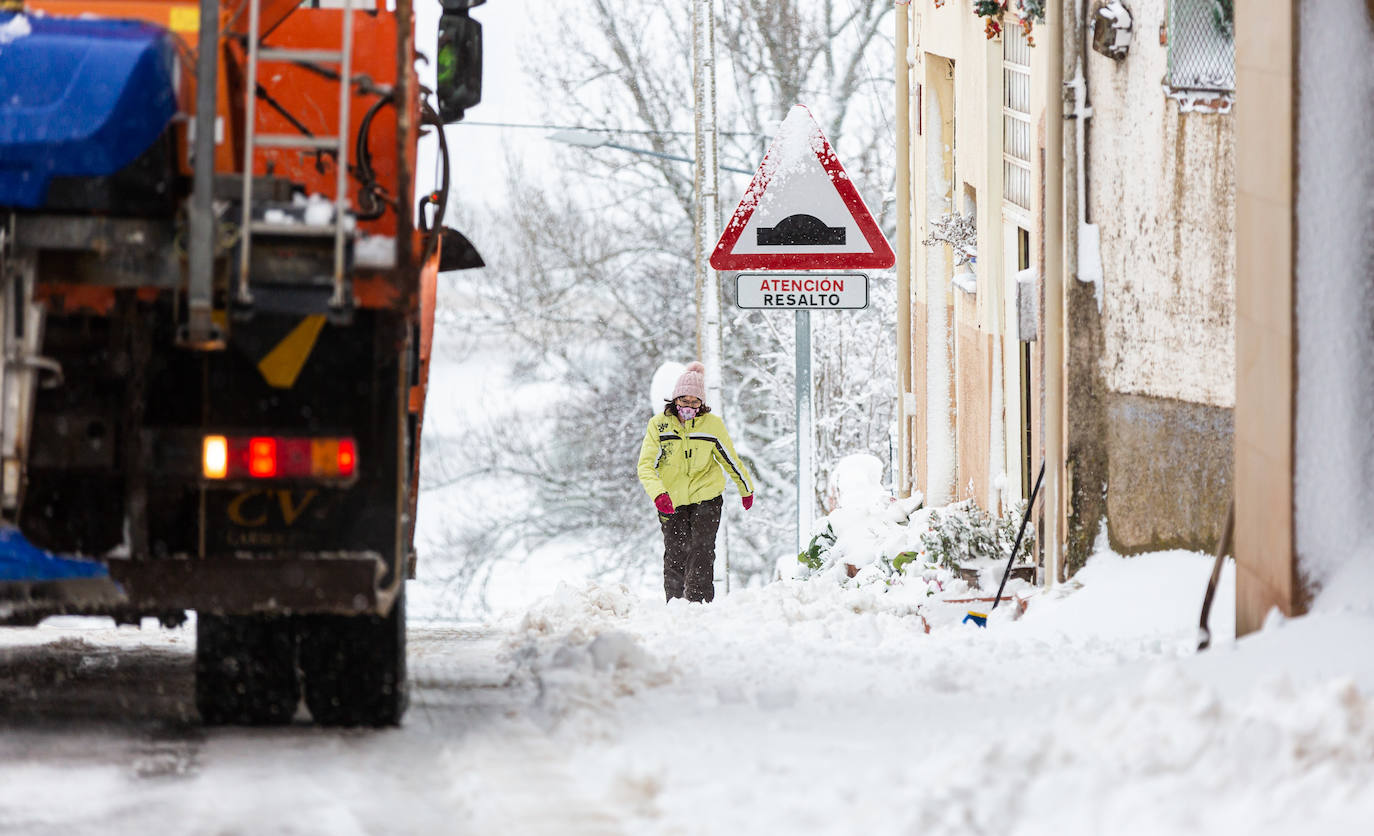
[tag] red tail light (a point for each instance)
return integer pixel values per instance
(348, 457)
(262, 458)
(278, 457)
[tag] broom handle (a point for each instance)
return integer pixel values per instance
(1019, 534)
(1223, 549)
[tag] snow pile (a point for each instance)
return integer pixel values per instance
(15, 28)
(573, 647)
(319, 210)
(579, 613)
(314, 210)
(375, 251)
(1166, 755)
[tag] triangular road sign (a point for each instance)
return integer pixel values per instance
(801, 211)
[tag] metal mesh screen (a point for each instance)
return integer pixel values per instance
(1202, 47)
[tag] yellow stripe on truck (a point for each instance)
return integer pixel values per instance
(283, 364)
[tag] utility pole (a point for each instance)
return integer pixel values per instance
(1055, 482)
(706, 214)
(905, 479)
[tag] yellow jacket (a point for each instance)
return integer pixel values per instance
(688, 461)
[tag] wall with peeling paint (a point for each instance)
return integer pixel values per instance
(1162, 189)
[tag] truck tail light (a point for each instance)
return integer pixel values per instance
(348, 457)
(278, 457)
(215, 456)
(262, 457)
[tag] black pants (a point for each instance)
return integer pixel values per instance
(689, 550)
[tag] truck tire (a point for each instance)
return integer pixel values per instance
(355, 667)
(246, 670)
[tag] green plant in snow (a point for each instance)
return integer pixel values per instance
(820, 544)
(1007, 526)
(900, 562)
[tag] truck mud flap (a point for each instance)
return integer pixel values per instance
(341, 583)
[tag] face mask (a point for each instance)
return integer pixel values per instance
(687, 413)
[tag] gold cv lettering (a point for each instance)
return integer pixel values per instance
(290, 513)
(250, 508)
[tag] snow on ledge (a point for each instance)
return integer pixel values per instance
(1200, 101)
(967, 282)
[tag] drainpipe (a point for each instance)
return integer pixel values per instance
(1054, 296)
(1085, 245)
(1082, 108)
(903, 71)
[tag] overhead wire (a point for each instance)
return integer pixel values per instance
(540, 127)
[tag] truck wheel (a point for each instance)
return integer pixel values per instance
(246, 670)
(355, 667)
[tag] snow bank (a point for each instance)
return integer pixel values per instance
(1333, 448)
(573, 648)
(1090, 714)
(1169, 755)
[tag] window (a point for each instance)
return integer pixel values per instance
(1016, 122)
(1202, 46)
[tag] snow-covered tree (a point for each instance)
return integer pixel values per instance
(596, 284)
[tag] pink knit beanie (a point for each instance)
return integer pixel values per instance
(692, 383)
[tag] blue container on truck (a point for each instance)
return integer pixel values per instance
(79, 98)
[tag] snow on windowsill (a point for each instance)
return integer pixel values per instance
(967, 282)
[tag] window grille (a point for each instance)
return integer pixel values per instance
(1016, 122)
(1202, 45)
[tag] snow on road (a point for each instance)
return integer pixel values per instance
(801, 707)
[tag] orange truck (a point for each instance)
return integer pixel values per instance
(218, 301)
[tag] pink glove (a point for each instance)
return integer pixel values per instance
(748, 501)
(664, 504)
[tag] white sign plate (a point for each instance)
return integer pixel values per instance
(801, 291)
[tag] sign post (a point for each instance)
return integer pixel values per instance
(801, 215)
(806, 466)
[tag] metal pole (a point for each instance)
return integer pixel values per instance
(805, 472)
(1054, 297)
(705, 217)
(903, 74)
(201, 255)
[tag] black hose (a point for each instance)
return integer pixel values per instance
(440, 198)
(372, 199)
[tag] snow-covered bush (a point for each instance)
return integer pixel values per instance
(962, 531)
(872, 536)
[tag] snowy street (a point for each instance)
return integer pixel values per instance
(801, 707)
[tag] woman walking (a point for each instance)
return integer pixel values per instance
(682, 465)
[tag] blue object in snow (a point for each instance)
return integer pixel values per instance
(21, 560)
(78, 98)
(979, 618)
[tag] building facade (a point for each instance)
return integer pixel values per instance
(971, 389)
(1144, 226)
